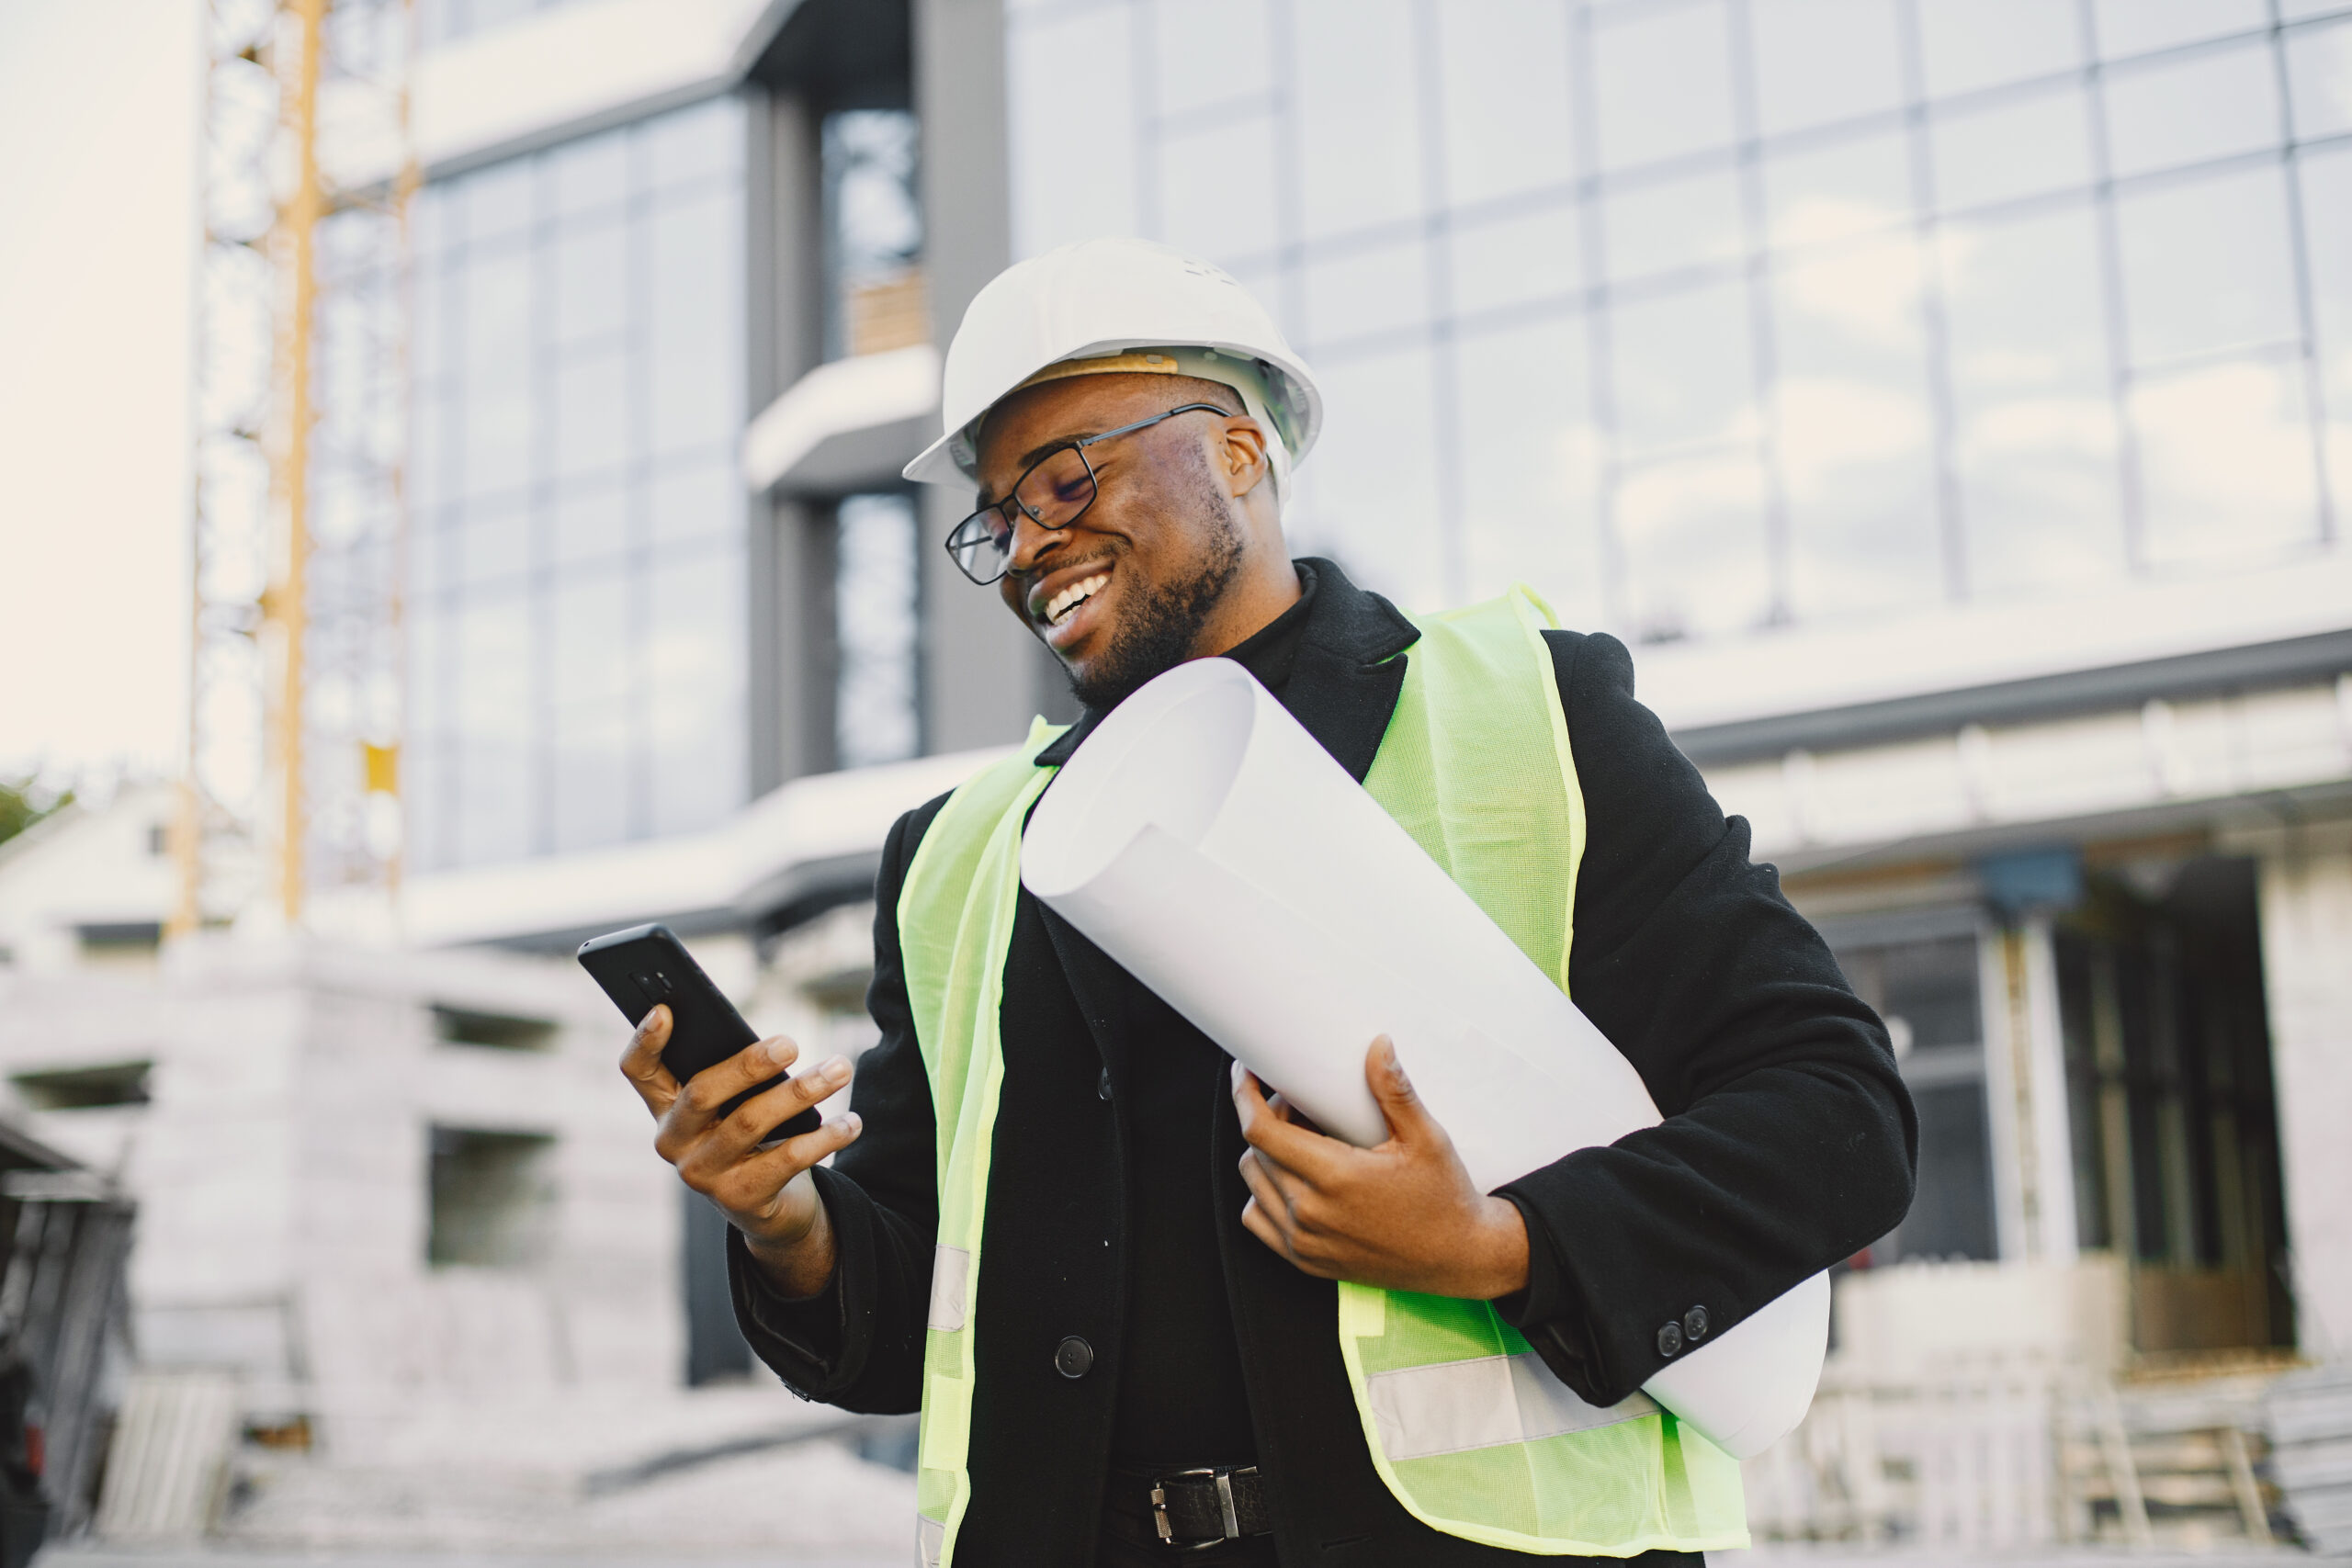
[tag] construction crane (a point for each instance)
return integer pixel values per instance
(290, 798)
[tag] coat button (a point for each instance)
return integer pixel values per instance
(1102, 1085)
(1694, 1325)
(1073, 1358)
(1670, 1340)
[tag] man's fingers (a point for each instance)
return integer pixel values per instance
(1309, 1155)
(1408, 1119)
(1270, 1186)
(770, 1170)
(766, 1112)
(641, 1062)
(713, 1086)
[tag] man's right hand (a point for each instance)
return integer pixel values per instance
(766, 1193)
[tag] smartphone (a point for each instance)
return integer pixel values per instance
(645, 965)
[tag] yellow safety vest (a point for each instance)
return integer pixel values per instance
(1470, 1432)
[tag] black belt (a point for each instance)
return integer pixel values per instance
(1196, 1509)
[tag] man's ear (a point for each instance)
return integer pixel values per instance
(1247, 465)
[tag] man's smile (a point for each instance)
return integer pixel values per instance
(1066, 605)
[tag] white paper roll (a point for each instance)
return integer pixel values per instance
(1207, 843)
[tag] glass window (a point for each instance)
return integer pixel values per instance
(1370, 291)
(2319, 79)
(2011, 148)
(1662, 80)
(1818, 61)
(1682, 367)
(1529, 466)
(2171, 112)
(701, 500)
(497, 201)
(2225, 462)
(876, 626)
(1855, 185)
(1969, 44)
(1070, 68)
(1853, 431)
(694, 333)
(590, 282)
(1692, 533)
(1359, 122)
(493, 702)
(1507, 122)
(2035, 452)
(589, 523)
(2327, 222)
(493, 542)
(1208, 52)
(591, 413)
(594, 708)
(2294, 10)
(1217, 192)
(1666, 226)
(2133, 26)
(586, 176)
(692, 609)
(1372, 503)
(2205, 264)
(1530, 256)
(696, 143)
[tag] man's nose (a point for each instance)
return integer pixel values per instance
(1029, 539)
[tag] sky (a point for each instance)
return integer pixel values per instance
(98, 228)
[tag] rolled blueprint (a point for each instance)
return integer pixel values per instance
(1208, 844)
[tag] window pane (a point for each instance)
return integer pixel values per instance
(2017, 147)
(2186, 111)
(695, 331)
(2327, 219)
(694, 662)
(1528, 467)
(594, 707)
(1857, 185)
(587, 175)
(2131, 26)
(1853, 429)
(496, 371)
(1952, 1217)
(590, 524)
(1506, 123)
(1371, 291)
(697, 501)
(493, 543)
(1534, 256)
(2319, 79)
(1981, 43)
(1818, 61)
(696, 143)
(497, 200)
(1372, 503)
(1681, 223)
(1662, 76)
(1359, 126)
(2225, 463)
(877, 716)
(1683, 369)
(591, 413)
(591, 280)
(1216, 190)
(1054, 79)
(1206, 52)
(492, 692)
(2035, 430)
(2205, 266)
(1692, 534)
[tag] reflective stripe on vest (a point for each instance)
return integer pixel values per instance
(1466, 1426)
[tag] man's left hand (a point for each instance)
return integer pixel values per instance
(1402, 1214)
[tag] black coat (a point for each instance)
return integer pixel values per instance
(1788, 1144)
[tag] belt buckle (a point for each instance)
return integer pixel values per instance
(1223, 1477)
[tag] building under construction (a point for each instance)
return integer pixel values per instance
(1949, 402)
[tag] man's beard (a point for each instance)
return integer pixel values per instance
(1162, 630)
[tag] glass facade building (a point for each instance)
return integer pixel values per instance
(1711, 316)
(578, 555)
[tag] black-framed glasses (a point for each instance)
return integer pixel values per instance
(1053, 493)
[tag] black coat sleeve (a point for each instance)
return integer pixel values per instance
(1788, 1143)
(859, 1343)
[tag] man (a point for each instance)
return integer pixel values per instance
(1148, 1360)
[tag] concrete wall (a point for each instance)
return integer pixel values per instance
(2306, 892)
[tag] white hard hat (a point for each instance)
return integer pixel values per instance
(1111, 300)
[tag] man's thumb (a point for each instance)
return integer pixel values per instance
(1393, 1090)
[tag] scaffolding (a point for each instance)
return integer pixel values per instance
(291, 788)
